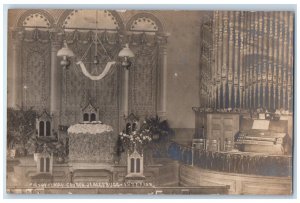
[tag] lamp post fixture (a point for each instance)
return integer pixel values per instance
(126, 53)
(65, 52)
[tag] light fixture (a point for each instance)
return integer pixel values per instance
(125, 54)
(65, 52)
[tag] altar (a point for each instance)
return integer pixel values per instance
(91, 142)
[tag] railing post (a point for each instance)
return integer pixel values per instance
(192, 155)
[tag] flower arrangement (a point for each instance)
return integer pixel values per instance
(153, 134)
(137, 138)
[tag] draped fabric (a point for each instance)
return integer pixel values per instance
(96, 77)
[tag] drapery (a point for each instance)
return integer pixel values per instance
(95, 77)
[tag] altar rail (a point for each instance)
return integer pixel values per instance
(232, 162)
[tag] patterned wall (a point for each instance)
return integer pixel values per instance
(36, 69)
(143, 76)
(76, 89)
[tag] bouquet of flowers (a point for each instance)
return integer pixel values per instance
(153, 134)
(137, 138)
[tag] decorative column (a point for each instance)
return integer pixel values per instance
(125, 92)
(124, 86)
(55, 80)
(162, 104)
(17, 37)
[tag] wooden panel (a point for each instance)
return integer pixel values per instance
(239, 183)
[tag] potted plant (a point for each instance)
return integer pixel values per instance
(20, 127)
(160, 132)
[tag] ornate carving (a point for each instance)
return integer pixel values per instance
(32, 15)
(107, 19)
(145, 21)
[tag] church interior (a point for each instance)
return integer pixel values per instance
(149, 102)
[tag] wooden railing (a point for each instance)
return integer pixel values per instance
(232, 161)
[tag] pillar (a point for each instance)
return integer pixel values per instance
(55, 83)
(17, 36)
(125, 92)
(162, 88)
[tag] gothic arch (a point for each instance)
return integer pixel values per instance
(27, 13)
(145, 15)
(66, 13)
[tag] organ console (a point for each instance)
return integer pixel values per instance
(264, 136)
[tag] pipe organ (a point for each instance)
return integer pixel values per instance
(247, 60)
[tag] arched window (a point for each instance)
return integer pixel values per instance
(132, 165)
(93, 117)
(138, 165)
(47, 164)
(41, 128)
(42, 165)
(48, 128)
(133, 126)
(86, 117)
(128, 128)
